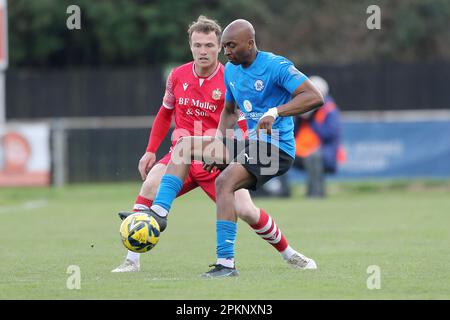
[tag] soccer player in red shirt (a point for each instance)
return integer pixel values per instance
(195, 94)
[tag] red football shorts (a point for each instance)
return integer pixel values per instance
(197, 177)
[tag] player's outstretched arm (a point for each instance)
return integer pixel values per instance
(159, 130)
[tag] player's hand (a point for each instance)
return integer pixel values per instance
(146, 163)
(210, 167)
(265, 123)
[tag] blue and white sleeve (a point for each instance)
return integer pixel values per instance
(289, 76)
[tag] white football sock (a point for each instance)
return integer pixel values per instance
(229, 263)
(139, 207)
(288, 252)
(133, 256)
(160, 211)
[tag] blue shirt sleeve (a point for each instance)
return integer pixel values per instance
(289, 77)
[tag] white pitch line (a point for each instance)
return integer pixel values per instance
(167, 279)
(29, 205)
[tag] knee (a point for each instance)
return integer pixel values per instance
(223, 184)
(182, 152)
(183, 140)
(184, 143)
(247, 212)
(149, 188)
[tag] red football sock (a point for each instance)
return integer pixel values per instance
(142, 203)
(268, 230)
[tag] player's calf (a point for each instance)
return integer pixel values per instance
(245, 209)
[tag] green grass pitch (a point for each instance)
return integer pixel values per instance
(401, 228)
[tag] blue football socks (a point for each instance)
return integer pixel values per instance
(225, 237)
(167, 192)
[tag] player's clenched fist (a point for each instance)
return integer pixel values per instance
(265, 124)
(146, 163)
(209, 166)
(266, 121)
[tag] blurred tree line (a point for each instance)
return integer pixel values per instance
(144, 32)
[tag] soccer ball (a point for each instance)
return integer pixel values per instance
(139, 232)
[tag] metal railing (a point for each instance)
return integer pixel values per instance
(60, 128)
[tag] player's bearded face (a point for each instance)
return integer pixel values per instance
(205, 49)
(236, 51)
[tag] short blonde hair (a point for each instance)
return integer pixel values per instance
(205, 25)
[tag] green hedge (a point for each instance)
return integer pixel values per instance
(136, 32)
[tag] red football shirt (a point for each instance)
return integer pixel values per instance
(198, 101)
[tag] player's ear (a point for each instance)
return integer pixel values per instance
(251, 43)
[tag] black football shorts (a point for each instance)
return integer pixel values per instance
(261, 159)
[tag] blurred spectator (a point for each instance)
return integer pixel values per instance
(317, 136)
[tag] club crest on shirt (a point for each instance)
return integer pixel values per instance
(216, 94)
(247, 106)
(259, 85)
